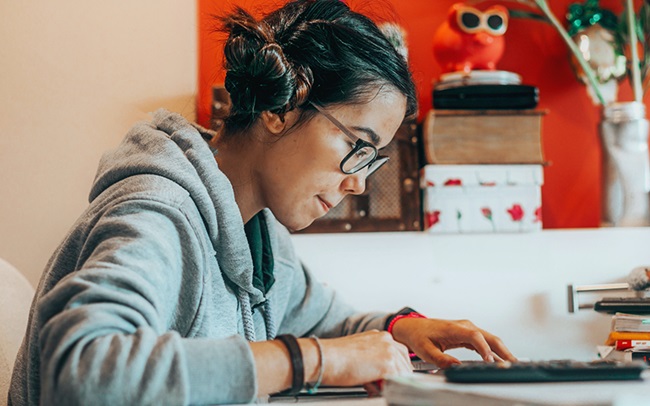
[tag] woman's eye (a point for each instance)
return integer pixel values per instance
(362, 153)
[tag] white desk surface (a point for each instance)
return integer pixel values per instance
(338, 402)
(434, 391)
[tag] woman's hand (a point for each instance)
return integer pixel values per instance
(429, 338)
(363, 358)
(358, 359)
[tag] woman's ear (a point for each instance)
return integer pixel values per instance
(273, 122)
(276, 123)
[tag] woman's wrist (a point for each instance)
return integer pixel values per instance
(296, 359)
(311, 357)
(395, 319)
(405, 312)
(399, 321)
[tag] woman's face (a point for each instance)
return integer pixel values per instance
(300, 178)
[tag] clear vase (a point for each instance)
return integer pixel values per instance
(626, 165)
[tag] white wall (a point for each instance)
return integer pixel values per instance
(513, 285)
(74, 76)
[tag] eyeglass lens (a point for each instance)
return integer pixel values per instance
(381, 160)
(360, 157)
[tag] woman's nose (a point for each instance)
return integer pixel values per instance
(355, 183)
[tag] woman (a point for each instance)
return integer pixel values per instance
(172, 286)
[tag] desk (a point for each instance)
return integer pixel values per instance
(339, 402)
(425, 390)
(440, 393)
(433, 390)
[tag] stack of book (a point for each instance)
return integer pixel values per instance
(483, 89)
(461, 137)
(484, 170)
(629, 338)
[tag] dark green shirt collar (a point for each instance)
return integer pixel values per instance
(259, 241)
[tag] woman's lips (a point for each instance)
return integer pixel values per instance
(325, 204)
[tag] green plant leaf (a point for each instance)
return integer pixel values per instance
(644, 26)
(528, 14)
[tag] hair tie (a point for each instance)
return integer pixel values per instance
(312, 387)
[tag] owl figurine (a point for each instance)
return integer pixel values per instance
(471, 39)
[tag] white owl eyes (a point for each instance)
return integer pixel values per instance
(471, 21)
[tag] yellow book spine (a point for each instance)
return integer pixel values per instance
(626, 335)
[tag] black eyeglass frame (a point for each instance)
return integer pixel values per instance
(373, 164)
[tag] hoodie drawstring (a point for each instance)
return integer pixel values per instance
(269, 322)
(247, 317)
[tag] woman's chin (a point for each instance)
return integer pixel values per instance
(297, 224)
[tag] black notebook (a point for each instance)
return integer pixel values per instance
(630, 305)
(486, 97)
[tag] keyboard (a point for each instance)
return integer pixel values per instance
(544, 371)
(632, 305)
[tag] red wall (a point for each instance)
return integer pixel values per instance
(571, 193)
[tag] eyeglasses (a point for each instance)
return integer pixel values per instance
(363, 153)
(472, 20)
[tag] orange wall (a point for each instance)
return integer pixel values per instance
(571, 193)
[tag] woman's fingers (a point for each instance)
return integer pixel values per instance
(476, 340)
(376, 356)
(434, 355)
(373, 388)
(407, 366)
(490, 347)
(499, 348)
(431, 337)
(484, 343)
(497, 358)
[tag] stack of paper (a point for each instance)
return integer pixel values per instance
(629, 338)
(432, 390)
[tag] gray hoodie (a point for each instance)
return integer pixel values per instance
(149, 299)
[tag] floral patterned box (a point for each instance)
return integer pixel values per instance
(482, 198)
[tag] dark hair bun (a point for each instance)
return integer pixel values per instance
(259, 77)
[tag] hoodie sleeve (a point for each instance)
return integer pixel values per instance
(327, 314)
(314, 308)
(108, 333)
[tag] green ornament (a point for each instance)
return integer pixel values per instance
(598, 46)
(582, 16)
(593, 29)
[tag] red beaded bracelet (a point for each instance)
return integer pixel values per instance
(412, 315)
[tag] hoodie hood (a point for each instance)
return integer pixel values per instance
(171, 147)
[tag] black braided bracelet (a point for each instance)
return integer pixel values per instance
(298, 380)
